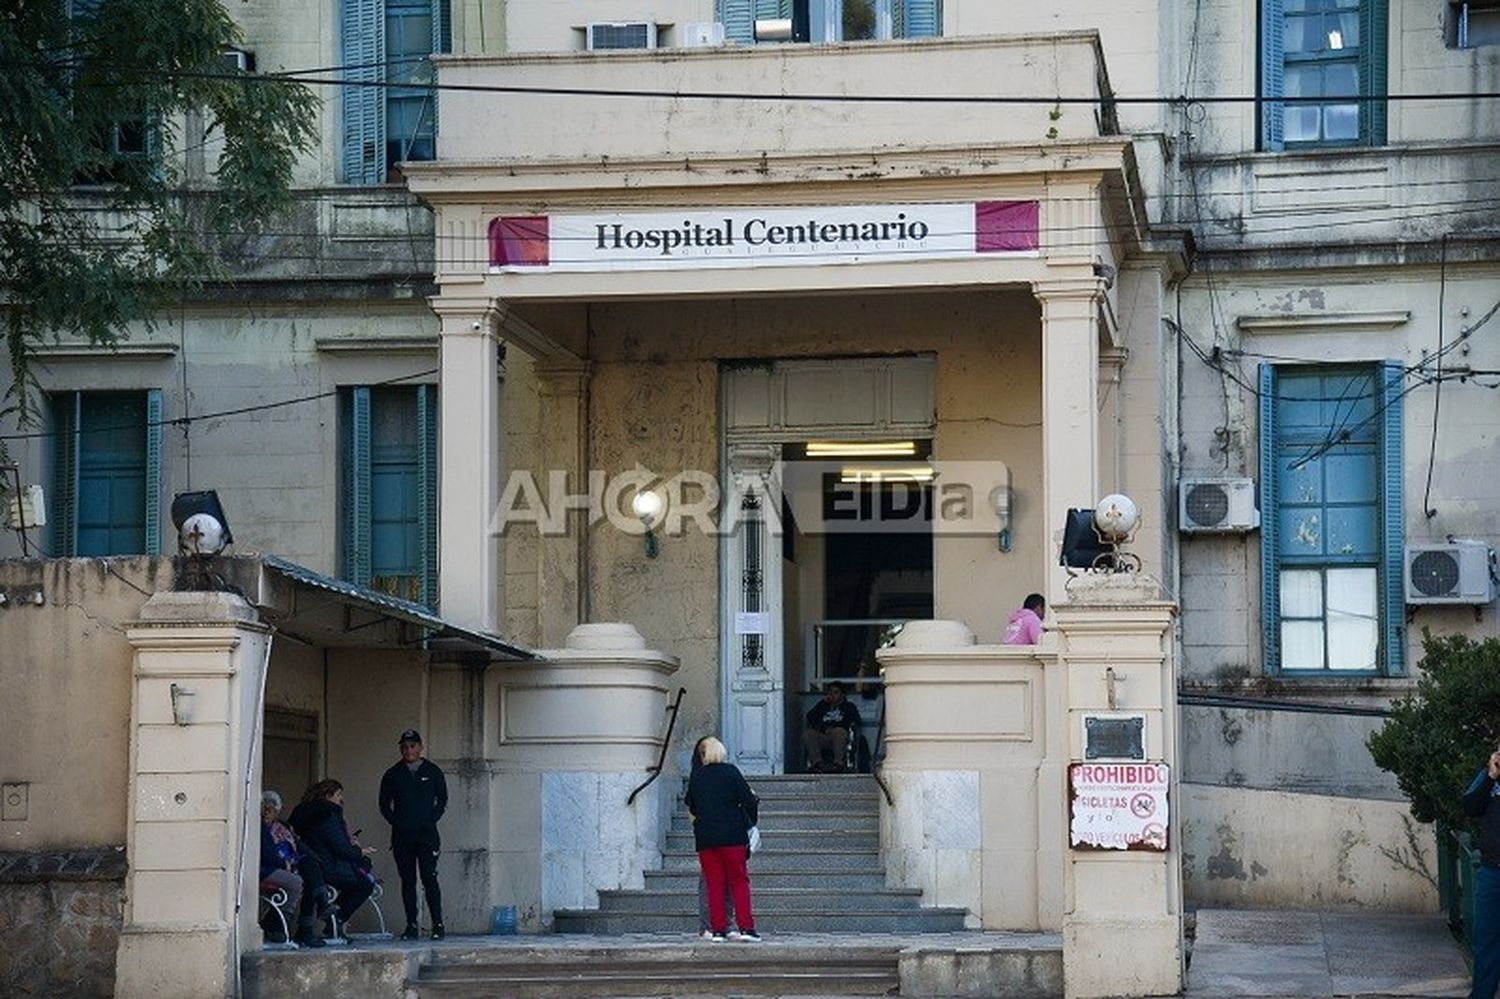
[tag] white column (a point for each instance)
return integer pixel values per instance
(469, 427)
(190, 909)
(1070, 416)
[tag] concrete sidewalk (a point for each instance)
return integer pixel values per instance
(1323, 954)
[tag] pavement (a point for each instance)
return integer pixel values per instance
(1282, 954)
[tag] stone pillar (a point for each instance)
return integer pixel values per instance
(1070, 416)
(563, 387)
(469, 427)
(974, 757)
(575, 733)
(190, 892)
(1122, 925)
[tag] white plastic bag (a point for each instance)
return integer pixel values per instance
(754, 833)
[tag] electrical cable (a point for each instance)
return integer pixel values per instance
(1437, 394)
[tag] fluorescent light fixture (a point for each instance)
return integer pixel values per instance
(861, 449)
(886, 473)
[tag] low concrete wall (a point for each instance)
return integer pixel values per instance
(1245, 848)
(1026, 971)
(60, 915)
(369, 974)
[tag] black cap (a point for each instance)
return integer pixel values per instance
(410, 735)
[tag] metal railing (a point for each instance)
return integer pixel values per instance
(1457, 863)
(666, 742)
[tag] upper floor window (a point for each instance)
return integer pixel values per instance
(834, 20)
(387, 42)
(1472, 23)
(389, 486)
(106, 466)
(1331, 55)
(1331, 527)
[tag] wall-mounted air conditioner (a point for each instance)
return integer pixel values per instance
(1455, 572)
(1222, 506)
(702, 34)
(238, 60)
(621, 35)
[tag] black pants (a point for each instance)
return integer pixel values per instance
(412, 856)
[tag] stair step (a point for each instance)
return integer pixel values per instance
(701, 968)
(769, 859)
(763, 880)
(945, 920)
(771, 839)
(801, 822)
(768, 900)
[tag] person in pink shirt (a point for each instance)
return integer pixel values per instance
(1025, 625)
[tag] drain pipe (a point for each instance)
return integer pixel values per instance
(239, 867)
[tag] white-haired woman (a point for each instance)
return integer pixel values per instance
(723, 808)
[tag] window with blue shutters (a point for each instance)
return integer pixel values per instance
(389, 486)
(834, 20)
(1331, 55)
(106, 459)
(1332, 519)
(390, 107)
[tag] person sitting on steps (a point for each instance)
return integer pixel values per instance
(829, 723)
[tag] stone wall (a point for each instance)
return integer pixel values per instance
(60, 915)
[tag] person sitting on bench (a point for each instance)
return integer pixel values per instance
(827, 735)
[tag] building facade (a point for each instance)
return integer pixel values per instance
(795, 268)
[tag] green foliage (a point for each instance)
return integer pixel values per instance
(1437, 738)
(97, 228)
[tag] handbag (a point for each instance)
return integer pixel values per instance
(754, 833)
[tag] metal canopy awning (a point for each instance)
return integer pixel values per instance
(334, 622)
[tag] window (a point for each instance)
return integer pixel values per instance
(1472, 23)
(834, 20)
(387, 42)
(1331, 55)
(106, 464)
(124, 141)
(1332, 530)
(389, 486)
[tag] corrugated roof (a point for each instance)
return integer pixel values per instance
(441, 632)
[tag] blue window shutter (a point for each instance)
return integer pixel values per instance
(739, 20)
(362, 28)
(924, 18)
(1393, 516)
(65, 474)
(1374, 60)
(1272, 72)
(427, 489)
(358, 484)
(153, 472)
(1270, 580)
(767, 9)
(442, 26)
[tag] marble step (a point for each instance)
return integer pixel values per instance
(802, 898)
(931, 920)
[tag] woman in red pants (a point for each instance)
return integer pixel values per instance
(723, 808)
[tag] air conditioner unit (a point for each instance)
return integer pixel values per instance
(621, 35)
(1222, 506)
(1457, 572)
(702, 34)
(238, 60)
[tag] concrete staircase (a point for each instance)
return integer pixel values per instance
(818, 871)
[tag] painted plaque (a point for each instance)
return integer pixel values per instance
(1118, 806)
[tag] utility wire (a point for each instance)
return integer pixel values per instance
(1437, 394)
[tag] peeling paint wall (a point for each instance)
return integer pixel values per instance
(1247, 848)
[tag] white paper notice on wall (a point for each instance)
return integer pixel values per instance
(1118, 806)
(752, 623)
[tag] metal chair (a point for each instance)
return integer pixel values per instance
(276, 898)
(339, 937)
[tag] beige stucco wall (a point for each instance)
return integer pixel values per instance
(66, 713)
(1245, 848)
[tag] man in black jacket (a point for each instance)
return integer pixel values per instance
(1479, 801)
(413, 797)
(829, 723)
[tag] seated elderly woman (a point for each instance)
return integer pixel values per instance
(283, 865)
(319, 823)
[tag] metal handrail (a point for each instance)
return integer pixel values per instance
(875, 755)
(666, 741)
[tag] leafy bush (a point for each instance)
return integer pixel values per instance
(1437, 738)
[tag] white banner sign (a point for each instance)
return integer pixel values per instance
(1118, 806)
(751, 237)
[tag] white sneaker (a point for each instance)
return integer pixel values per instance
(734, 934)
(706, 935)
